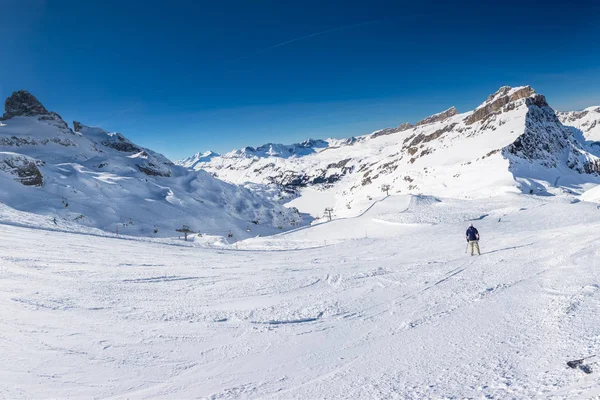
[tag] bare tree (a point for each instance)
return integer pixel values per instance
(386, 188)
(185, 230)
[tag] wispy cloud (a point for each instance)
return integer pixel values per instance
(116, 114)
(311, 35)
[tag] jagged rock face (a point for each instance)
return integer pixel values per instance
(538, 143)
(120, 143)
(548, 142)
(151, 169)
(22, 142)
(25, 169)
(452, 111)
(497, 101)
(23, 104)
(389, 131)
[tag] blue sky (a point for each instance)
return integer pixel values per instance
(185, 76)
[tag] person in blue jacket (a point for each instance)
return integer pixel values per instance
(473, 239)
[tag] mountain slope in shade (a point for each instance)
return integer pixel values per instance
(101, 180)
(512, 142)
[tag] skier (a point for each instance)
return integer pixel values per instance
(473, 239)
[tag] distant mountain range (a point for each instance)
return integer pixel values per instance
(513, 142)
(103, 180)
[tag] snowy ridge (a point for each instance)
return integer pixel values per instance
(307, 147)
(197, 158)
(103, 180)
(587, 121)
(512, 142)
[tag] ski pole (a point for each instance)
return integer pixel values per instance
(576, 363)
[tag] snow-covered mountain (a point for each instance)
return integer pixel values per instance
(197, 158)
(101, 180)
(512, 142)
(587, 121)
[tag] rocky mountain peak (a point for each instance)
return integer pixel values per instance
(516, 93)
(506, 94)
(23, 104)
(452, 111)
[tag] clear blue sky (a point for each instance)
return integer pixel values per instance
(185, 76)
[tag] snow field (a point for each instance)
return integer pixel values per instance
(322, 312)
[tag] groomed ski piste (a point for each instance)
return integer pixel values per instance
(387, 304)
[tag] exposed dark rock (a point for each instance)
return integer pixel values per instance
(153, 170)
(23, 104)
(422, 138)
(293, 180)
(77, 126)
(547, 141)
(540, 101)
(491, 153)
(452, 111)
(339, 164)
(19, 142)
(592, 167)
(388, 167)
(120, 143)
(26, 170)
(266, 166)
(389, 131)
(30, 175)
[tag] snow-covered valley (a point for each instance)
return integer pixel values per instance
(385, 305)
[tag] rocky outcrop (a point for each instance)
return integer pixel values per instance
(120, 143)
(20, 142)
(452, 111)
(77, 126)
(23, 104)
(389, 131)
(151, 169)
(25, 169)
(422, 138)
(547, 142)
(495, 102)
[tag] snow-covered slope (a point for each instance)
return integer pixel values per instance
(197, 158)
(100, 179)
(384, 306)
(512, 142)
(587, 121)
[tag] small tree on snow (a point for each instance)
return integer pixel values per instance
(386, 188)
(185, 230)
